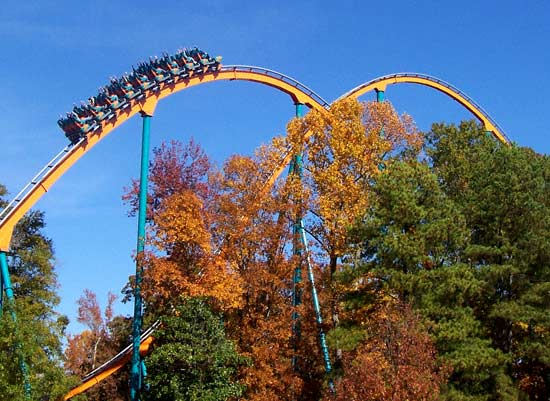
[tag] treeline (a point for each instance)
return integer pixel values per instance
(431, 254)
(461, 235)
(37, 336)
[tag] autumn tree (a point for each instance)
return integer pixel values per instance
(179, 222)
(175, 168)
(344, 149)
(254, 233)
(395, 360)
(105, 335)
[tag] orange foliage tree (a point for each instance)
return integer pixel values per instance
(395, 362)
(253, 234)
(214, 237)
(225, 236)
(180, 259)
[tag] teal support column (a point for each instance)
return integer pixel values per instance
(316, 305)
(296, 168)
(6, 280)
(300, 110)
(7, 286)
(380, 97)
(301, 249)
(1, 293)
(136, 366)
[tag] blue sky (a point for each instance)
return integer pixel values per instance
(57, 53)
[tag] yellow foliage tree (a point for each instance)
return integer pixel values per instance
(343, 149)
(226, 236)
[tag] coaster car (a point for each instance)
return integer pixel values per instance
(154, 72)
(71, 132)
(111, 100)
(75, 127)
(141, 81)
(101, 111)
(161, 75)
(74, 137)
(187, 62)
(83, 113)
(123, 88)
(169, 64)
(203, 59)
(84, 124)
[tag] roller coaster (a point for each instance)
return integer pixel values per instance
(139, 93)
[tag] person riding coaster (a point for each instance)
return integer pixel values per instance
(154, 72)
(101, 111)
(105, 97)
(83, 112)
(158, 71)
(123, 88)
(169, 64)
(141, 81)
(187, 62)
(207, 62)
(72, 132)
(72, 125)
(161, 75)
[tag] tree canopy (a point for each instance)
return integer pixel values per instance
(431, 253)
(36, 337)
(462, 235)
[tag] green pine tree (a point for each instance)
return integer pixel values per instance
(37, 334)
(504, 194)
(413, 241)
(192, 359)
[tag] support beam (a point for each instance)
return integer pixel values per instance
(380, 97)
(7, 286)
(301, 249)
(316, 305)
(1, 293)
(136, 366)
(6, 280)
(296, 168)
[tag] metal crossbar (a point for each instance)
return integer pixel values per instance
(278, 75)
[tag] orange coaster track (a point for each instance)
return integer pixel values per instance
(114, 364)
(299, 93)
(43, 181)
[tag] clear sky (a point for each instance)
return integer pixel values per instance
(56, 53)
